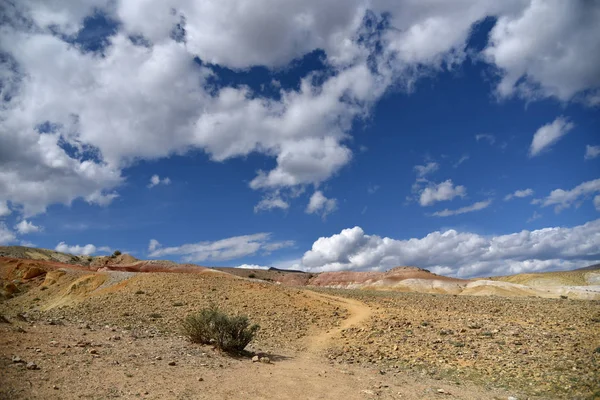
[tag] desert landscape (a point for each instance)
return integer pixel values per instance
(110, 327)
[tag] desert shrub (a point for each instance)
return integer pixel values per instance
(211, 326)
(116, 253)
(252, 275)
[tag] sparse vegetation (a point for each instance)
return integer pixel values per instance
(227, 333)
(252, 275)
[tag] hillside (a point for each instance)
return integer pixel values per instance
(578, 284)
(116, 328)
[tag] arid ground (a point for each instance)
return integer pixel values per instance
(67, 332)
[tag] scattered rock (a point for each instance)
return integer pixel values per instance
(265, 360)
(31, 365)
(172, 363)
(255, 359)
(18, 360)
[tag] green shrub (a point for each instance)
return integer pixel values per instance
(211, 326)
(116, 253)
(252, 275)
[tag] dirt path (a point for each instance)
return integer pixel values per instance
(169, 367)
(359, 312)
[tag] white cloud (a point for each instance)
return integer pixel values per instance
(591, 152)
(558, 58)
(549, 134)
(319, 204)
(153, 245)
(535, 216)
(220, 250)
(86, 250)
(441, 192)
(6, 235)
(4, 209)
(519, 194)
(562, 199)
(461, 254)
(251, 266)
(25, 227)
(145, 103)
(155, 180)
(491, 139)
(271, 201)
(461, 160)
(597, 202)
(424, 170)
(480, 205)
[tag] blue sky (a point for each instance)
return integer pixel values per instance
(461, 139)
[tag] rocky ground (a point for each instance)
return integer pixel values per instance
(71, 333)
(544, 347)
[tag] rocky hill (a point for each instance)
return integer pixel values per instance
(578, 284)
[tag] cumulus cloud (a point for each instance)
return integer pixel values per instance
(86, 250)
(25, 227)
(597, 202)
(251, 266)
(562, 199)
(270, 202)
(220, 250)
(441, 192)
(480, 205)
(153, 245)
(491, 139)
(4, 209)
(559, 58)
(549, 134)
(156, 180)
(591, 152)
(74, 120)
(424, 170)
(519, 194)
(6, 235)
(462, 254)
(319, 204)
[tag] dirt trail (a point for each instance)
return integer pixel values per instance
(359, 312)
(309, 375)
(127, 370)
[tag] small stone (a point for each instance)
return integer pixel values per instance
(32, 365)
(93, 351)
(200, 379)
(265, 360)
(17, 360)
(54, 387)
(441, 391)
(172, 363)
(158, 358)
(255, 359)
(512, 398)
